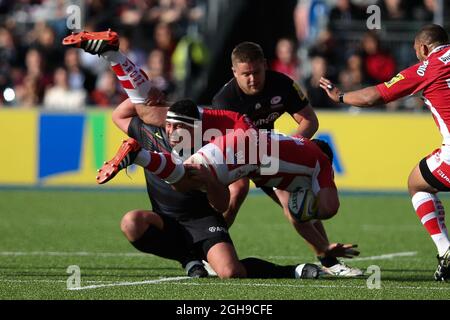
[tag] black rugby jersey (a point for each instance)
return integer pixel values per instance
(280, 94)
(163, 198)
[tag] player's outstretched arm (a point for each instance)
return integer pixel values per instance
(367, 97)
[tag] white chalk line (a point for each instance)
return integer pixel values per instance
(138, 283)
(51, 281)
(307, 286)
(73, 254)
(136, 254)
(385, 256)
(175, 279)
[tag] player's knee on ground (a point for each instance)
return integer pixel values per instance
(135, 223)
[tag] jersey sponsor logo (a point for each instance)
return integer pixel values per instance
(394, 80)
(275, 100)
(443, 175)
(217, 229)
(422, 68)
(445, 58)
(299, 91)
(270, 118)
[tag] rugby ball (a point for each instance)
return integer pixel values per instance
(302, 205)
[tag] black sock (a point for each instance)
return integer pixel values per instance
(328, 261)
(257, 268)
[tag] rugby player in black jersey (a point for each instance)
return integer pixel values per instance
(180, 226)
(186, 226)
(264, 95)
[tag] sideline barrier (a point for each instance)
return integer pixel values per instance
(59, 149)
(373, 151)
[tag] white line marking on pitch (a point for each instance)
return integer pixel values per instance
(386, 256)
(305, 286)
(380, 257)
(137, 254)
(131, 283)
(79, 253)
(159, 281)
(49, 281)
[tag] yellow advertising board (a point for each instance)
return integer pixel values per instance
(373, 151)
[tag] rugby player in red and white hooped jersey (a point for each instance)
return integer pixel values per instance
(271, 160)
(431, 76)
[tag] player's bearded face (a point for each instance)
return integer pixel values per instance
(250, 76)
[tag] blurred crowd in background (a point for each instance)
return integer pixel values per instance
(37, 71)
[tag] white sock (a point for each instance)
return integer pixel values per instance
(431, 213)
(134, 80)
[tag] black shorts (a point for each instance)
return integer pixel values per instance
(196, 234)
(430, 178)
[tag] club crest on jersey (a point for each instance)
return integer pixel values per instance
(394, 80)
(270, 118)
(275, 100)
(258, 106)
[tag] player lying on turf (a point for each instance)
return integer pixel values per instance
(431, 175)
(136, 85)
